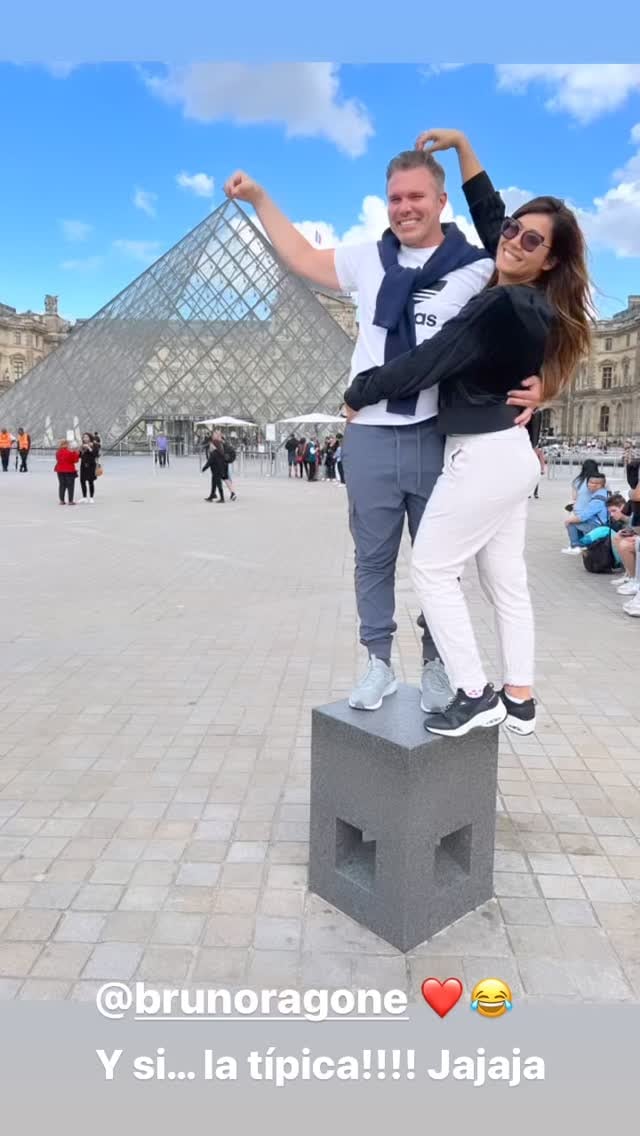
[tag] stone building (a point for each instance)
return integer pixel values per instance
(341, 307)
(27, 337)
(603, 401)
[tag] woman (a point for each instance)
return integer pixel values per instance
(88, 464)
(217, 463)
(535, 313)
(65, 467)
(580, 485)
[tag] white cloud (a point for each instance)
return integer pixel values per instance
(83, 264)
(304, 97)
(200, 184)
(76, 230)
(584, 90)
(371, 223)
(432, 69)
(138, 250)
(145, 200)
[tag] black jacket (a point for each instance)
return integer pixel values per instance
(216, 462)
(88, 462)
(497, 340)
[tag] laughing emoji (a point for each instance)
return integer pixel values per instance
(491, 997)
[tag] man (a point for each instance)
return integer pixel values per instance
(6, 442)
(24, 445)
(291, 445)
(392, 453)
(162, 448)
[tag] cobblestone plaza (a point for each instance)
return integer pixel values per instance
(160, 659)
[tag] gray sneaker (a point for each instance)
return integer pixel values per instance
(436, 692)
(377, 682)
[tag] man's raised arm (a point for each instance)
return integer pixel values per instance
(317, 265)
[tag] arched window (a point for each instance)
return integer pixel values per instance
(604, 420)
(618, 419)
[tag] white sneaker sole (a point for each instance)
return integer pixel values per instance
(517, 726)
(485, 720)
(390, 689)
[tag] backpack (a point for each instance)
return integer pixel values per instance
(311, 452)
(229, 454)
(598, 557)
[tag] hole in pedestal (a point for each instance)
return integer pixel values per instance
(453, 857)
(355, 856)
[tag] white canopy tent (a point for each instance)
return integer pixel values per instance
(314, 419)
(225, 421)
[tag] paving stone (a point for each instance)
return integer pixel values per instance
(115, 961)
(606, 890)
(80, 927)
(44, 990)
(273, 933)
(62, 960)
(526, 912)
(571, 912)
(17, 959)
(32, 926)
(165, 964)
(229, 931)
(177, 929)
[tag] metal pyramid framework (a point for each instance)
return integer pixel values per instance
(216, 325)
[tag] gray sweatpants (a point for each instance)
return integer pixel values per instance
(390, 473)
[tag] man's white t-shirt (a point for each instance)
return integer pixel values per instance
(359, 268)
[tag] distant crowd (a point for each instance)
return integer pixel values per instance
(308, 456)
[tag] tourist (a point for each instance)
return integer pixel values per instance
(535, 311)
(589, 512)
(6, 441)
(162, 448)
(217, 463)
(291, 446)
(631, 459)
(409, 284)
(67, 458)
(89, 451)
(229, 458)
(24, 447)
(338, 457)
(302, 445)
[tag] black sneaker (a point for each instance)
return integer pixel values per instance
(465, 714)
(521, 716)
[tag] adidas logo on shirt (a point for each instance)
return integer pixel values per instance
(429, 293)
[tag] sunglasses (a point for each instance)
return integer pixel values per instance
(529, 239)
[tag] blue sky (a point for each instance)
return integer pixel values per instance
(108, 165)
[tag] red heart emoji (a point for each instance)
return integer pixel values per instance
(441, 996)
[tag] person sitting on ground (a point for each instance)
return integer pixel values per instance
(592, 513)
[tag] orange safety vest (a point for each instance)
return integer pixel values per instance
(6, 441)
(24, 442)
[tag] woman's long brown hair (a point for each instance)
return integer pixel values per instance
(568, 289)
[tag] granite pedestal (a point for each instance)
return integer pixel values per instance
(402, 822)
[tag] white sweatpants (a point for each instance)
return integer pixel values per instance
(479, 508)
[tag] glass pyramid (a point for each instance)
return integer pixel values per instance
(217, 326)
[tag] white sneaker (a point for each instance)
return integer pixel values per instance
(628, 589)
(619, 580)
(571, 551)
(632, 607)
(377, 682)
(92, 500)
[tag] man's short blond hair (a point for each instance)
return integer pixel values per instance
(417, 160)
